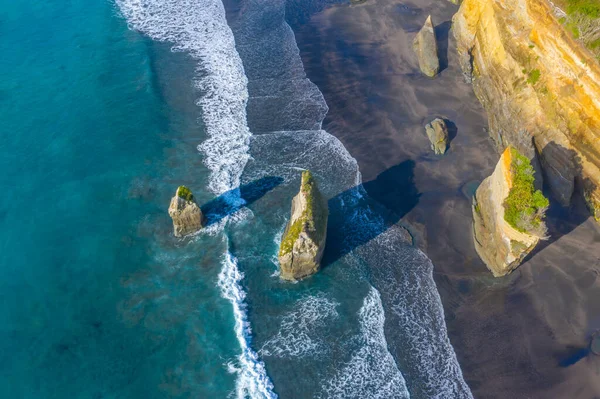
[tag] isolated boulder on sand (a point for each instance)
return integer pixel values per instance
(425, 46)
(437, 132)
(185, 212)
(303, 241)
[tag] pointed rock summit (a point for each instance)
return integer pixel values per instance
(303, 241)
(437, 132)
(185, 212)
(425, 46)
(508, 214)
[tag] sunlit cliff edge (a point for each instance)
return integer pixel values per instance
(540, 88)
(500, 246)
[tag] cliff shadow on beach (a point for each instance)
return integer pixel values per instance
(360, 214)
(442, 32)
(562, 171)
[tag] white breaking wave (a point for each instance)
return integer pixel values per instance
(301, 329)
(372, 371)
(199, 28)
(253, 380)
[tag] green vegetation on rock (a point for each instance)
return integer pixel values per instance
(590, 8)
(583, 21)
(517, 247)
(533, 76)
(524, 207)
(313, 217)
(185, 193)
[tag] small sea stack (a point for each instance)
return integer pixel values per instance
(425, 45)
(437, 132)
(303, 241)
(508, 214)
(185, 212)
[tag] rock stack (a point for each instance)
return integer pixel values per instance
(304, 238)
(185, 212)
(425, 45)
(505, 234)
(437, 132)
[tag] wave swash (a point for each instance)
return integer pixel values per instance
(251, 78)
(200, 29)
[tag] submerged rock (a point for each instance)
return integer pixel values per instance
(437, 132)
(425, 45)
(304, 238)
(506, 229)
(185, 212)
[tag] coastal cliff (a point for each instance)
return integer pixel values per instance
(540, 88)
(508, 214)
(304, 238)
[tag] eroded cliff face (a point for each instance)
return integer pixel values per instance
(501, 247)
(540, 88)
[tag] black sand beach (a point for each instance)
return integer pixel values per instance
(522, 336)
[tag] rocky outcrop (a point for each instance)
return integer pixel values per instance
(425, 45)
(501, 246)
(185, 212)
(304, 238)
(538, 86)
(437, 132)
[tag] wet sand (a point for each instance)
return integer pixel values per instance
(522, 336)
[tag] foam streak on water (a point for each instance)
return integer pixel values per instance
(372, 371)
(302, 328)
(253, 380)
(199, 28)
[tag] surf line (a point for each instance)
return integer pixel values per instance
(199, 28)
(253, 379)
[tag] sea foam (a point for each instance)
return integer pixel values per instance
(199, 28)
(372, 371)
(253, 380)
(301, 330)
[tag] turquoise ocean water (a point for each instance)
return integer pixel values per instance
(107, 107)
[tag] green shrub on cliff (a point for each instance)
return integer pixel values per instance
(524, 207)
(185, 193)
(583, 21)
(590, 8)
(533, 76)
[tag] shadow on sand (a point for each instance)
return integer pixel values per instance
(442, 31)
(563, 184)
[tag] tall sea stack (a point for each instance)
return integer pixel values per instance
(304, 238)
(508, 214)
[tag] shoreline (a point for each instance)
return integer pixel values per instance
(538, 317)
